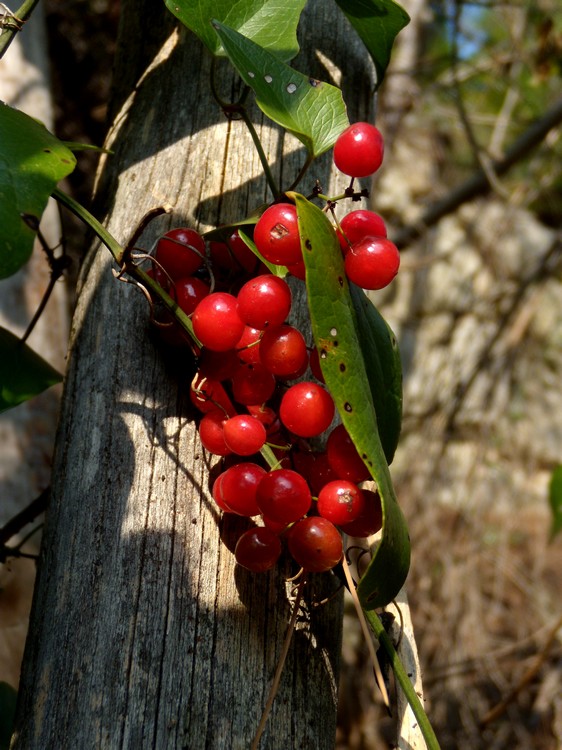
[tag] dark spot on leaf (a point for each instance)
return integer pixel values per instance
(343, 368)
(46, 150)
(308, 244)
(348, 407)
(364, 456)
(31, 221)
(323, 354)
(314, 82)
(279, 231)
(336, 343)
(373, 595)
(340, 280)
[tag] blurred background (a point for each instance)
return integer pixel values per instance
(471, 189)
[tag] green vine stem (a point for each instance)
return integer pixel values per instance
(9, 28)
(403, 680)
(120, 257)
(261, 153)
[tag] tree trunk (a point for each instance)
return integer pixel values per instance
(144, 633)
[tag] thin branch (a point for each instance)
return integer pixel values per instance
(12, 22)
(25, 517)
(478, 184)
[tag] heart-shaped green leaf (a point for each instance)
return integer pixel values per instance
(311, 110)
(377, 22)
(335, 329)
(23, 373)
(384, 369)
(270, 23)
(31, 164)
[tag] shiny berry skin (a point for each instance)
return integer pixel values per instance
(372, 263)
(283, 351)
(264, 301)
(180, 252)
(258, 549)
(247, 348)
(344, 458)
(306, 409)
(232, 255)
(315, 544)
(236, 488)
(283, 495)
(369, 520)
(340, 501)
(189, 291)
(209, 395)
(276, 234)
(252, 384)
(216, 322)
(211, 433)
(244, 434)
(359, 150)
(356, 225)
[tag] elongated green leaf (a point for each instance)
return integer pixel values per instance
(23, 373)
(311, 110)
(8, 698)
(384, 369)
(335, 330)
(555, 499)
(377, 22)
(270, 23)
(31, 163)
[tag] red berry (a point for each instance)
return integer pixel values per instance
(211, 433)
(189, 291)
(369, 520)
(283, 351)
(216, 322)
(320, 473)
(315, 367)
(244, 434)
(340, 501)
(277, 234)
(359, 224)
(315, 544)
(264, 300)
(247, 347)
(359, 150)
(252, 384)
(217, 365)
(180, 252)
(208, 395)
(283, 495)
(233, 255)
(236, 488)
(306, 409)
(372, 262)
(258, 549)
(344, 458)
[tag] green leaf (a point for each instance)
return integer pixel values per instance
(32, 161)
(377, 22)
(270, 23)
(8, 698)
(384, 369)
(335, 329)
(311, 110)
(23, 373)
(555, 499)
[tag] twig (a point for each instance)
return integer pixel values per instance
(25, 517)
(14, 23)
(478, 184)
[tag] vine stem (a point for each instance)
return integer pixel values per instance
(19, 17)
(261, 153)
(403, 680)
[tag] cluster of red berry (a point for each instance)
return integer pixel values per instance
(250, 355)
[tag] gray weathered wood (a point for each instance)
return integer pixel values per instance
(143, 632)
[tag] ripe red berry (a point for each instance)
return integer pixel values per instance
(283, 351)
(315, 544)
(209, 395)
(236, 488)
(232, 256)
(306, 409)
(189, 291)
(180, 252)
(283, 495)
(372, 263)
(211, 433)
(359, 150)
(277, 234)
(264, 301)
(216, 322)
(247, 349)
(369, 521)
(244, 434)
(344, 458)
(252, 384)
(357, 225)
(258, 549)
(340, 501)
